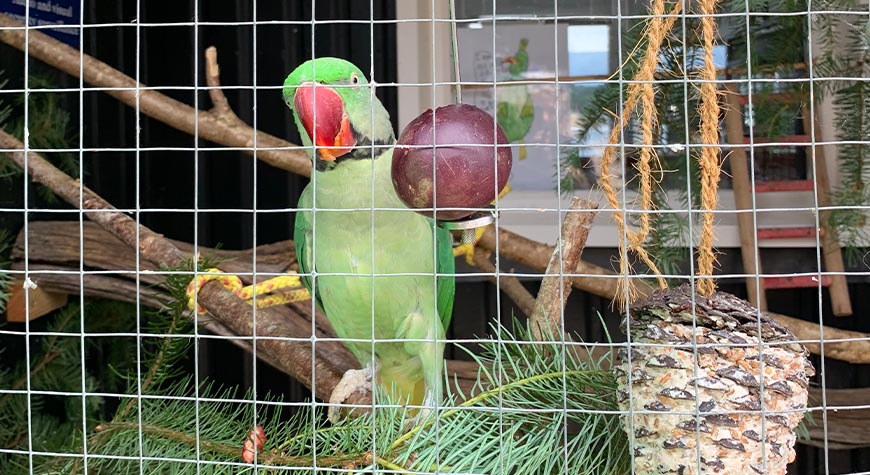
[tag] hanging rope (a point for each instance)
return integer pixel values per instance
(657, 30)
(709, 159)
(642, 92)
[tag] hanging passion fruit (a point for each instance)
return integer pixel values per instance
(466, 152)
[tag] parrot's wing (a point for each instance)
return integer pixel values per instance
(446, 283)
(303, 236)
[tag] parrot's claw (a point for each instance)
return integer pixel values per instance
(466, 248)
(352, 381)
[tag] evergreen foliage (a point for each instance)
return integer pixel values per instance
(55, 368)
(536, 408)
(50, 127)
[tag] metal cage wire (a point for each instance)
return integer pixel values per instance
(557, 212)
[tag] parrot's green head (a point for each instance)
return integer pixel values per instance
(336, 111)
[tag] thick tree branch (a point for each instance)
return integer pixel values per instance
(844, 345)
(285, 341)
(555, 288)
(211, 126)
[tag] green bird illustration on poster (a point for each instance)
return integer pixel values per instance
(515, 110)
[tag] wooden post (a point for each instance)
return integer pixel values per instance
(743, 191)
(839, 290)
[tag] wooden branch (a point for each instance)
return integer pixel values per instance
(54, 246)
(220, 105)
(212, 126)
(535, 254)
(546, 320)
(856, 350)
(56, 243)
(273, 328)
(505, 282)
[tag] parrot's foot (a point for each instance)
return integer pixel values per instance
(352, 381)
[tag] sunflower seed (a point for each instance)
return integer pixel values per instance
(664, 361)
(690, 426)
(799, 378)
(676, 393)
(738, 376)
(713, 462)
(707, 406)
(723, 420)
(712, 383)
(674, 444)
(643, 432)
(656, 406)
(778, 419)
(780, 387)
(732, 444)
(747, 402)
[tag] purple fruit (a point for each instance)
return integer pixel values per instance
(467, 161)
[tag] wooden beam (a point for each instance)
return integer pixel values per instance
(42, 302)
(742, 185)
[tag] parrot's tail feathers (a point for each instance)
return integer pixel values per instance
(402, 388)
(522, 151)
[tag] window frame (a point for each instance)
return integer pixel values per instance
(421, 61)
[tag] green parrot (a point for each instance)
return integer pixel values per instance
(343, 241)
(516, 111)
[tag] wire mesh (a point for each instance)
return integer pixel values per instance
(212, 405)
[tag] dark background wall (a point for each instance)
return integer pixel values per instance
(158, 172)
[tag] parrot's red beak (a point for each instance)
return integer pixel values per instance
(324, 118)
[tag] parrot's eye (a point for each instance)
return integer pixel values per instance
(354, 79)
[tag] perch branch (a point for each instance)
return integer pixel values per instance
(272, 327)
(555, 288)
(213, 125)
(536, 255)
(220, 105)
(855, 349)
(509, 284)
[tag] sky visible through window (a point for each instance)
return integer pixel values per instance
(588, 50)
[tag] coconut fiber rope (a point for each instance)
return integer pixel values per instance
(641, 92)
(709, 159)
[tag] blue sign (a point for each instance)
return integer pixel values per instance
(48, 12)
